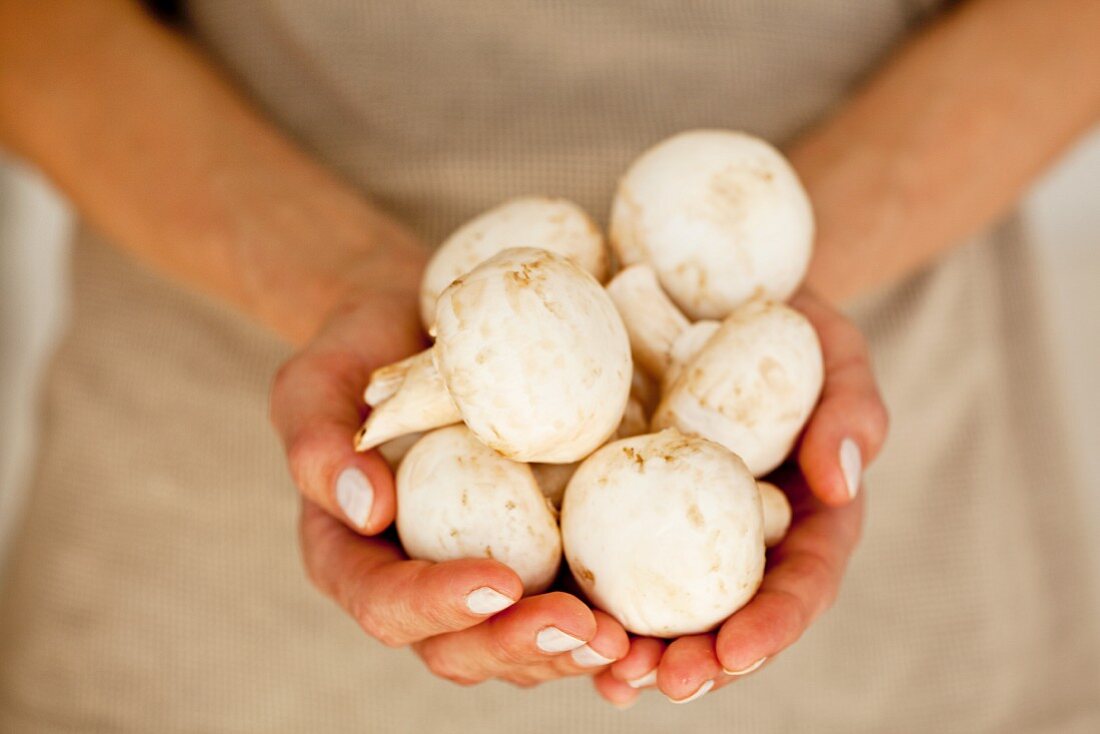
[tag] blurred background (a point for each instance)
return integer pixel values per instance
(1064, 213)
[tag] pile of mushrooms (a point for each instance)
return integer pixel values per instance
(627, 424)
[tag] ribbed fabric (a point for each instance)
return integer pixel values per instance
(156, 586)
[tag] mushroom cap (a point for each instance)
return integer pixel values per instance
(752, 387)
(534, 355)
(457, 498)
(557, 225)
(720, 215)
(665, 533)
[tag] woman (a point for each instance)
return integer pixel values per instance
(190, 615)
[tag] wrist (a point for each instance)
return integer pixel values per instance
(855, 194)
(348, 252)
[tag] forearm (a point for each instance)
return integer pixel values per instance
(162, 156)
(947, 136)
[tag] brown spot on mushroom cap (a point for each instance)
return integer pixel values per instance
(586, 574)
(635, 456)
(695, 516)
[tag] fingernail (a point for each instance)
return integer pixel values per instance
(747, 670)
(648, 679)
(586, 657)
(487, 601)
(624, 705)
(851, 463)
(354, 495)
(702, 691)
(553, 640)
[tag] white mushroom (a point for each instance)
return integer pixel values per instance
(556, 225)
(531, 354)
(457, 498)
(652, 321)
(408, 397)
(777, 513)
(749, 383)
(665, 532)
(752, 387)
(690, 342)
(721, 217)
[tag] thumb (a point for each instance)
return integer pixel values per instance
(849, 425)
(316, 408)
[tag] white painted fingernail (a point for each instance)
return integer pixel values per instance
(586, 657)
(747, 670)
(701, 692)
(487, 601)
(645, 681)
(553, 640)
(851, 463)
(355, 495)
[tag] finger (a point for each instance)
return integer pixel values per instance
(802, 580)
(849, 424)
(315, 407)
(608, 645)
(638, 669)
(732, 676)
(689, 668)
(528, 633)
(614, 691)
(395, 600)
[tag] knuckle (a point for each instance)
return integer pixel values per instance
(506, 650)
(298, 454)
(283, 376)
(379, 631)
(878, 420)
(443, 666)
(855, 536)
(305, 459)
(388, 637)
(522, 681)
(798, 617)
(313, 575)
(464, 682)
(429, 609)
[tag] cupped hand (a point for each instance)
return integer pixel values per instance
(804, 572)
(464, 618)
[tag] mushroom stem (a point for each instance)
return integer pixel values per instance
(419, 403)
(652, 320)
(777, 513)
(552, 479)
(690, 342)
(385, 381)
(645, 391)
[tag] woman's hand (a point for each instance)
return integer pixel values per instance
(464, 618)
(804, 572)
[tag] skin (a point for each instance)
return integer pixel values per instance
(222, 201)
